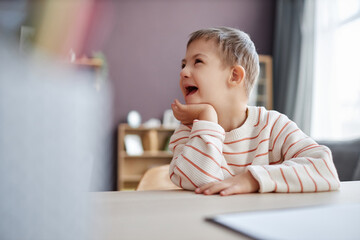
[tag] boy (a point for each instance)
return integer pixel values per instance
(224, 146)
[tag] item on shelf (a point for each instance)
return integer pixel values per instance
(169, 120)
(133, 145)
(166, 145)
(151, 141)
(134, 119)
(152, 123)
(262, 93)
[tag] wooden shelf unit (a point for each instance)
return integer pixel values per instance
(130, 167)
(264, 84)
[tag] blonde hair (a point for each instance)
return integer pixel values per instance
(236, 48)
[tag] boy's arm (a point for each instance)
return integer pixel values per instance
(241, 183)
(197, 150)
(298, 163)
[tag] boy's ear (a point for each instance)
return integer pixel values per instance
(237, 75)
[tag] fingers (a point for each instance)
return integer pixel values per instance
(177, 102)
(174, 104)
(187, 113)
(203, 188)
(175, 111)
(212, 188)
(180, 106)
(174, 107)
(182, 112)
(177, 106)
(223, 188)
(241, 183)
(178, 111)
(235, 189)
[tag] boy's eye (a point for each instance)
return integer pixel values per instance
(198, 61)
(182, 65)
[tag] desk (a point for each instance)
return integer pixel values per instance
(180, 214)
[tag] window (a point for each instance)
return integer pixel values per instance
(336, 98)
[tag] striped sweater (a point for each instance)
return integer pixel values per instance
(277, 153)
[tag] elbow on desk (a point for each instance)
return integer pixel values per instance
(186, 183)
(182, 182)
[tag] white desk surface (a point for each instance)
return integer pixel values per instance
(181, 214)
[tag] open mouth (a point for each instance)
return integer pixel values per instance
(190, 90)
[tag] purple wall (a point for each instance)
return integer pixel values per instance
(145, 42)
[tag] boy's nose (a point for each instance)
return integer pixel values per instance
(185, 73)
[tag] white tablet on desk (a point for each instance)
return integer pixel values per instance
(317, 222)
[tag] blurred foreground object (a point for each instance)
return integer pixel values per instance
(54, 133)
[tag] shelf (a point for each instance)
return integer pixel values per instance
(150, 154)
(142, 128)
(154, 142)
(132, 178)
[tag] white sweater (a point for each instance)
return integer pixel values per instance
(277, 153)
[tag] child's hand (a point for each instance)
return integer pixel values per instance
(187, 113)
(242, 183)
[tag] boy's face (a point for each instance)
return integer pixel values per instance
(203, 78)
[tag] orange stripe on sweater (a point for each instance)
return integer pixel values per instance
(293, 145)
(250, 138)
(271, 178)
(239, 165)
(186, 177)
(180, 182)
(282, 173)
(301, 184)
(252, 150)
(189, 126)
(289, 135)
(273, 163)
(270, 150)
(177, 140)
(187, 130)
(272, 128)
(327, 153)
(200, 169)
(210, 130)
(206, 155)
(175, 147)
(198, 150)
(282, 129)
(311, 178)
(315, 146)
(319, 173)
(258, 118)
(227, 170)
(210, 143)
(262, 154)
(331, 171)
(303, 150)
(336, 179)
(281, 159)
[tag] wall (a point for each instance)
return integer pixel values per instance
(144, 42)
